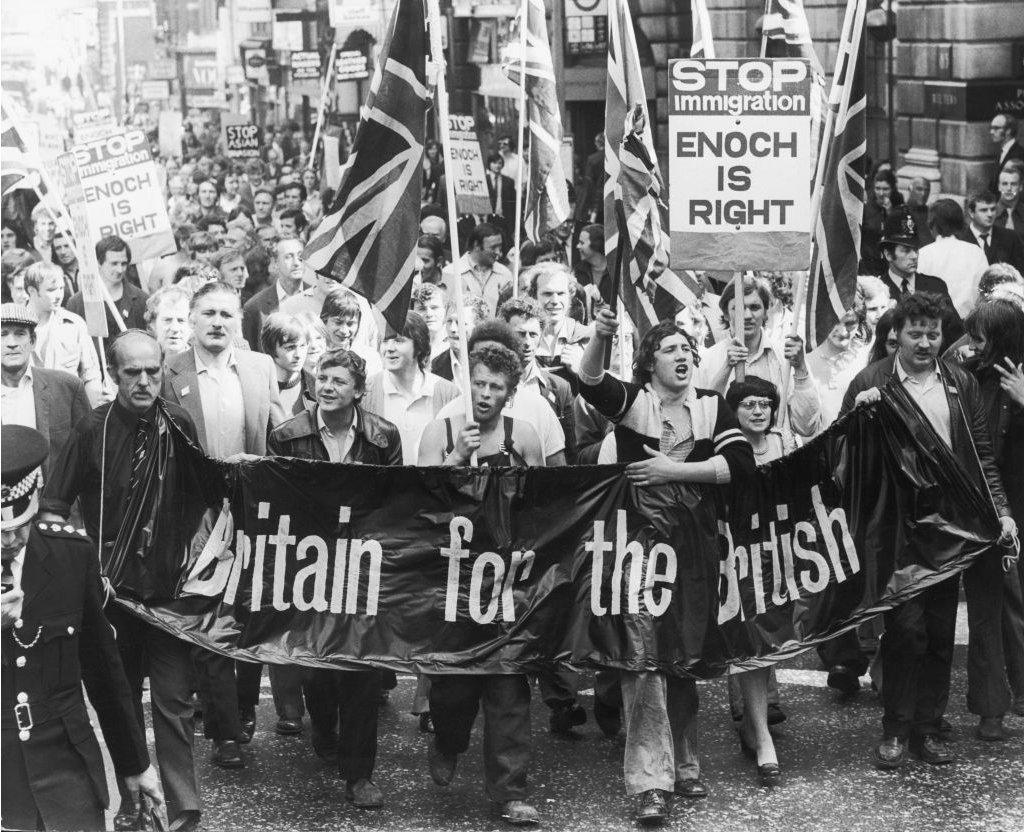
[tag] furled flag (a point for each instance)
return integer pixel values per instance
(837, 227)
(17, 169)
(787, 34)
(547, 195)
(633, 187)
(367, 241)
(703, 45)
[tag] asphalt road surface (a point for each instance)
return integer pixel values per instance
(824, 749)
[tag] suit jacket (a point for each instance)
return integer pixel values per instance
(377, 440)
(508, 198)
(1004, 247)
(132, 307)
(255, 312)
(58, 759)
(261, 400)
(968, 421)
(1018, 218)
(60, 404)
(1015, 151)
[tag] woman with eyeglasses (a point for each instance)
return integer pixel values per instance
(756, 403)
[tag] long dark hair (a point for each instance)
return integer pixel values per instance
(1001, 323)
(882, 330)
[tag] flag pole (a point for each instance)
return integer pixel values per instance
(853, 23)
(524, 16)
(739, 314)
(441, 92)
(764, 28)
(323, 105)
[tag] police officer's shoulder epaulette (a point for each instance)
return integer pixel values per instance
(64, 530)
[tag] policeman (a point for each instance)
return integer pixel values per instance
(55, 636)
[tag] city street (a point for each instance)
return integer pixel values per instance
(824, 749)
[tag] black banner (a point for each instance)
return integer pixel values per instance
(493, 571)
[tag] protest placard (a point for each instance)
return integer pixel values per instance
(466, 166)
(305, 66)
(241, 138)
(739, 163)
(93, 124)
(351, 65)
(122, 193)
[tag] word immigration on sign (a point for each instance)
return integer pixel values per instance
(740, 163)
(498, 570)
(467, 166)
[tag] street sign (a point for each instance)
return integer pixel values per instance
(351, 65)
(305, 66)
(154, 90)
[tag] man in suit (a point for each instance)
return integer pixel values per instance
(1010, 213)
(99, 468)
(899, 247)
(51, 401)
(113, 257)
(502, 192)
(998, 244)
(1003, 131)
(232, 396)
(55, 637)
(917, 647)
(288, 269)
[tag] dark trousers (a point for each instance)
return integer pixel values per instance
(853, 649)
(988, 693)
(607, 689)
(343, 704)
(1013, 628)
(248, 676)
(917, 654)
(558, 687)
(454, 703)
(218, 690)
(286, 687)
(148, 651)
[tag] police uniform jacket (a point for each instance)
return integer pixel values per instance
(51, 758)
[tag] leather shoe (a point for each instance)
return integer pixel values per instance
(364, 794)
(608, 719)
(769, 775)
(565, 717)
(1017, 706)
(691, 788)
(890, 753)
(933, 751)
(843, 679)
(442, 766)
(288, 727)
(227, 754)
(776, 715)
(652, 809)
(127, 818)
(990, 729)
(944, 729)
(519, 813)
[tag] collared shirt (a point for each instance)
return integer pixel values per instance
(1005, 149)
(930, 395)
(338, 446)
(568, 332)
(19, 403)
(960, 264)
(62, 343)
(981, 236)
(220, 392)
(480, 282)
(802, 412)
(496, 186)
(409, 411)
(905, 284)
(282, 295)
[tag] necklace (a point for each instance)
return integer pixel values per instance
(763, 450)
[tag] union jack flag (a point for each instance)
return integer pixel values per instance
(787, 34)
(837, 227)
(17, 169)
(367, 242)
(703, 45)
(547, 195)
(633, 188)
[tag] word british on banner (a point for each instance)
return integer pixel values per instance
(467, 166)
(498, 570)
(122, 194)
(739, 163)
(241, 138)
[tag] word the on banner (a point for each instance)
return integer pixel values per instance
(739, 163)
(241, 138)
(467, 167)
(122, 195)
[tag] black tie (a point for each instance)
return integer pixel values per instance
(905, 283)
(139, 448)
(985, 245)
